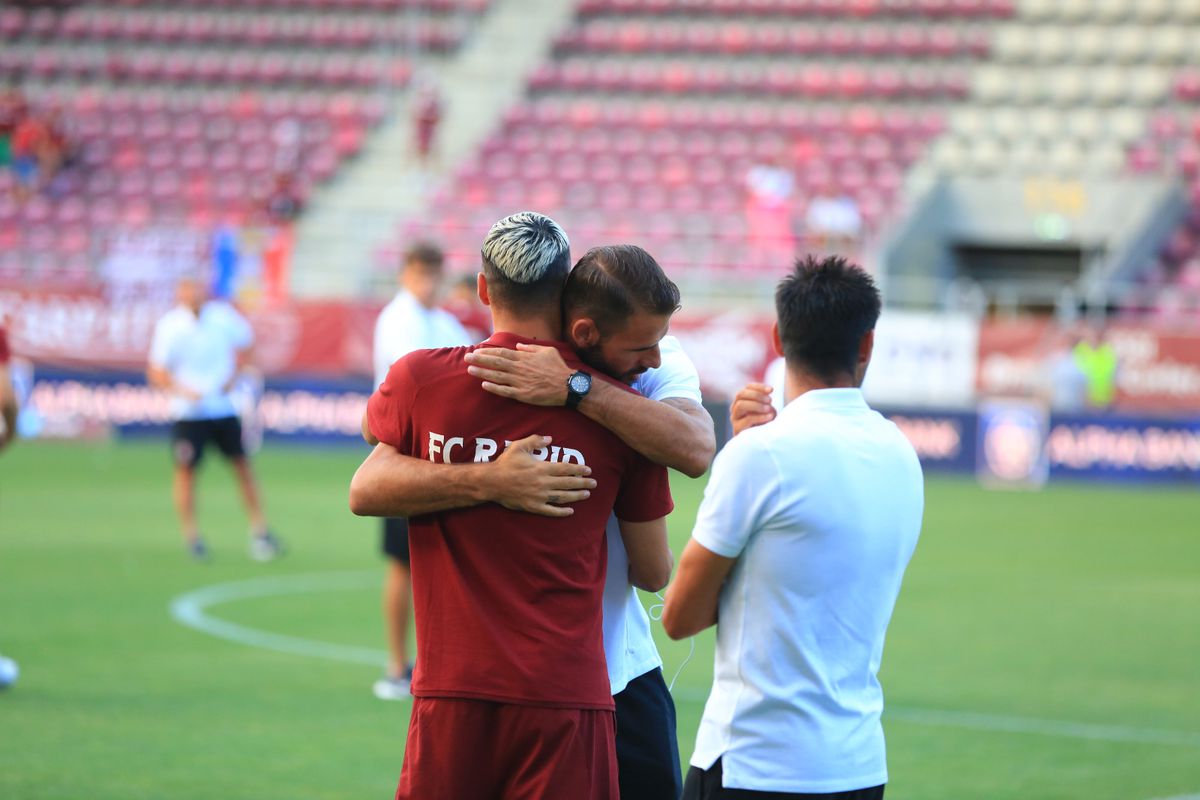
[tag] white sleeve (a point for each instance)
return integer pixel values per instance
(394, 339)
(675, 377)
(160, 344)
(241, 334)
(455, 334)
(738, 497)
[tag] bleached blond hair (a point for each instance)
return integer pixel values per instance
(524, 246)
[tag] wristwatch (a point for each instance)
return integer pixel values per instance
(578, 385)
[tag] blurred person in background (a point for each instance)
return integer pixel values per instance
(463, 303)
(1097, 359)
(427, 115)
(411, 321)
(800, 545)
(12, 110)
(769, 189)
(833, 221)
(58, 150)
(1066, 383)
(282, 205)
(199, 350)
(29, 145)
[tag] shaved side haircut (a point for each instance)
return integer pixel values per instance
(610, 283)
(526, 258)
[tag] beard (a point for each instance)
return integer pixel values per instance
(594, 358)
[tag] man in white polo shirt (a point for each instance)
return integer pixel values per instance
(800, 544)
(411, 321)
(198, 351)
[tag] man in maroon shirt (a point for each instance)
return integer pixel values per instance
(512, 692)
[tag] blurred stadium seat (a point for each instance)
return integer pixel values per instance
(183, 112)
(647, 117)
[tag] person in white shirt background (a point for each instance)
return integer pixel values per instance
(411, 321)
(808, 522)
(198, 351)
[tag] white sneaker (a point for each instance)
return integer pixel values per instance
(394, 687)
(266, 547)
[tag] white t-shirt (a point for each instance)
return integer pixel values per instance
(405, 325)
(200, 352)
(822, 508)
(628, 645)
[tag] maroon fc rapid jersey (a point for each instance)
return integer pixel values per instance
(507, 603)
(5, 355)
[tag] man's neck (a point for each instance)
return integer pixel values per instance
(546, 327)
(799, 381)
(427, 306)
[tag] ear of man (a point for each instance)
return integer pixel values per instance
(481, 288)
(584, 333)
(776, 341)
(866, 345)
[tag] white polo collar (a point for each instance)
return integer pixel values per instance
(827, 399)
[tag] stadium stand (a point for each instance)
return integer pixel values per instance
(1068, 87)
(183, 113)
(1171, 147)
(648, 117)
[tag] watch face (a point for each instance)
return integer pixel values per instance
(580, 382)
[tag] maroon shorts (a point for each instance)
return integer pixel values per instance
(477, 750)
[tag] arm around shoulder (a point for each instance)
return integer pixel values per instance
(676, 432)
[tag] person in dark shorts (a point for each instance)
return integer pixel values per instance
(411, 321)
(198, 350)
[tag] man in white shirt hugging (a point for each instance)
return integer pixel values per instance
(806, 527)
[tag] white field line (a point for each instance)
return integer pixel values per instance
(191, 610)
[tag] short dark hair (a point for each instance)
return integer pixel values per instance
(825, 307)
(609, 283)
(526, 258)
(427, 254)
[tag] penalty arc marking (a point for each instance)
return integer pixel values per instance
(191, 610)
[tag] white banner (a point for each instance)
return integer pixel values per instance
(923, 359)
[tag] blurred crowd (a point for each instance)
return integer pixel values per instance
(35, 146)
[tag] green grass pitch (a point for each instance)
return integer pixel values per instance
(1046, 645)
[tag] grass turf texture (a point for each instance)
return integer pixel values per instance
(1075, 604)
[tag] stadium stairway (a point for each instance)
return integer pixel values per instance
(348, 221)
